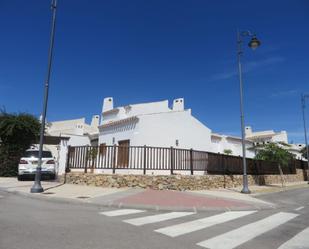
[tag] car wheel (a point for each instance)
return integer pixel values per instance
(20, 178)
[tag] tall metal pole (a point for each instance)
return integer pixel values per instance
(245, 189)
(305, 128)
(37, 188)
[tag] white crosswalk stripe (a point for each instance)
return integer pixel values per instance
(248, 232)
(157, 218)
(299, 208)
(301, 240)
(228, 240)
(122, 212)
(195, 225)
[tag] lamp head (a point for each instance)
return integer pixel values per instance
(254, 43)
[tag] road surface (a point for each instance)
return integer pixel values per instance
(27, 223)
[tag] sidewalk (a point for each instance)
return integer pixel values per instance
(221, 199)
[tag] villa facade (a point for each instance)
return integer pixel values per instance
(156, 124)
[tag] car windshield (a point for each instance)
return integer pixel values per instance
(35, 153)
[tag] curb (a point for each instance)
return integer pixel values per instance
(137, 206)
(278, 190)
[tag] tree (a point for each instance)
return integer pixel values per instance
(17, 133)
(275, 153)
(228, 152)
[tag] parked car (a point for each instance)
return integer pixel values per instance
(29, 162)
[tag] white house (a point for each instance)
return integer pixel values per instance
(260, 137)
(77, 133)
(78, 130)
(156, 124)
(270, 136)
(220, 143)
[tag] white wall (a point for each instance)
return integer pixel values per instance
(118, 133)
(161, 130)
(219, 144)
(63, 151)
(74, 140)
(280, 137)
(164, 129)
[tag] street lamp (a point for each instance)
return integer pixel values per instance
(303, 105)
(253, 44)
(37, 188)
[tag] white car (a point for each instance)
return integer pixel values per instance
(29, 162)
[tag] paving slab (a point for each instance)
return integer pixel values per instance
(139, 198)
(231, 194)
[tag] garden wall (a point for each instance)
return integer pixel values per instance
(177, 182)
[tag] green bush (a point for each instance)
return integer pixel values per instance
(17, 133)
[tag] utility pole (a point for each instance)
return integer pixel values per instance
(37, 187)
(303, 105)
(253, 44)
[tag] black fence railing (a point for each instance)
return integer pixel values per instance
(147, 158)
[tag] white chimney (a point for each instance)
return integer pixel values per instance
(79, 129)
(108, 104)
(248, 131)
(178, 104)
(95, 121)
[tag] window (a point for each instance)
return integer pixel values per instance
(35, 153)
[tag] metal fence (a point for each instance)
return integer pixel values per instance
(145, 158)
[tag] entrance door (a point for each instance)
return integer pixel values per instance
(123, 153)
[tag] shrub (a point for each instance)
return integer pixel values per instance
(17, 133)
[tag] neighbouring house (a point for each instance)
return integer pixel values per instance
(221, 143)
(78, 130)
(76, 133)
(262, 137)
(270, 136)
(158, 125)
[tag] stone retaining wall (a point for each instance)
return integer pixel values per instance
(176, 182)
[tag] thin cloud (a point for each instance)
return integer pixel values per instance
(282, 94)
(250, 66)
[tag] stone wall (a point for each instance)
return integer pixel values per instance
(176, 182)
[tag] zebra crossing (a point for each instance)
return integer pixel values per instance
(120, 212)
(157, 218)
(248, 232)
(195, 225)
(227, 240)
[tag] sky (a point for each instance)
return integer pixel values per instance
(143, 51)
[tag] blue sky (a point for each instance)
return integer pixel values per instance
(141, 51)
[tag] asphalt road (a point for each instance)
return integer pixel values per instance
(27, 223)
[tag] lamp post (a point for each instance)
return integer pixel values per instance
(303, 105)
(253, 44)
(37, 188)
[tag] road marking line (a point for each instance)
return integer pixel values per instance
(195, 225)
(121, 212)
(300, 208)
(301, 240)
(157, 218)
(245, 233)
